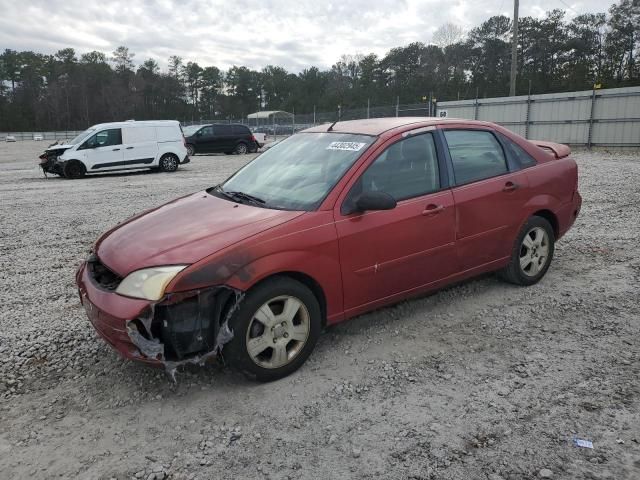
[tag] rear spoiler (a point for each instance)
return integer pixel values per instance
(556, 150)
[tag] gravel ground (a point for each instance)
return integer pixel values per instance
(482, 380)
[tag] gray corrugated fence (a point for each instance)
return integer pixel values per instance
(608, 117)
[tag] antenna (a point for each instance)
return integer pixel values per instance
(330, 129)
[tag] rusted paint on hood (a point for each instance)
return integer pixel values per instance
(183, 232)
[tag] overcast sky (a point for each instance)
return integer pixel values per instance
(295, 34)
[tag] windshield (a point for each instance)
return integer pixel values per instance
(188, 131)
(81, 137)
(299, 172)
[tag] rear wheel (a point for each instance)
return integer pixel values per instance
(275, 329)
(532, 253)
(241, 149)
(191, 150)
(74, 169)
(169, 162)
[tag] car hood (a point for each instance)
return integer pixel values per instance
(59, 147)
(184, 231)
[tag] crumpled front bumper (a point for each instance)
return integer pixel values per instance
(185, 327)
(109, 314)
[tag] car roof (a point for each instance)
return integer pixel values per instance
(134, 123)
(377, 126)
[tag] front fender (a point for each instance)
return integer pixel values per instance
(323, 269)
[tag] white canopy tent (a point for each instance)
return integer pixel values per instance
(270, 117)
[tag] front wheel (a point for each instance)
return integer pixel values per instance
(275, 329)
(191, 151)
(169, 162)
(74, 169)
(532, 253)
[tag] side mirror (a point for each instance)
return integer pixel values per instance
(373, 200)
(199, 133)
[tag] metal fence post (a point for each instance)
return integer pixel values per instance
(475, 112)
(368, 106)
(526, 124)
(593, 105)
(397, 105)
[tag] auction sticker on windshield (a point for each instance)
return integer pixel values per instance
(347, 146)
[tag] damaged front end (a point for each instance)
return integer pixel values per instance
(181, 328)
(188, 327)
(49, 159)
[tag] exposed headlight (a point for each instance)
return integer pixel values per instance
(148, 283)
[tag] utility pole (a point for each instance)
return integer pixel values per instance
(514, 50)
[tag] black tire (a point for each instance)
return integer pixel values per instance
(169, 162)
(241, 149)
(245, 326)
(74, 169)
(191, 150)
(529, 264)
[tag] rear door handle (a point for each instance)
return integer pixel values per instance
(129, 148)
(115, 149)
(510, 187)
(432, 209)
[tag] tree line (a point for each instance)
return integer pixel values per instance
(66, 91)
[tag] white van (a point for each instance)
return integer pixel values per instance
(109, 147)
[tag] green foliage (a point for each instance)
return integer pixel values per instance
(60, 91)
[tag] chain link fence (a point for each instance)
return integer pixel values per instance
(608, 117)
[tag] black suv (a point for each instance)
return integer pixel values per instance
(223, 138)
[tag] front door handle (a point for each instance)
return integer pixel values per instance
(129, 148)
(432, 209)
(510, 187)
(115, 149)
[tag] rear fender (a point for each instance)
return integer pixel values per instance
(542, 202)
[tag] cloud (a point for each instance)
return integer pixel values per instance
(295, 34)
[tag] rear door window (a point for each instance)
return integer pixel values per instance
(475, 154)
(521, 158)
(220, 130)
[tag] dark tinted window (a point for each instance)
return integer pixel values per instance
(206, 131)
(408, 168)
(475, 155)
(223, 129)
(522, 158)
(240, 130)
(105, 138)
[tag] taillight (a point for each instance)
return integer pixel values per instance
(184, 141)
(253, 139)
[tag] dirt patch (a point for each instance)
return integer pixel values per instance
(483, 380)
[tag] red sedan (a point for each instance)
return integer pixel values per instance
(331, 223)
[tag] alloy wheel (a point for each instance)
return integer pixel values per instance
(534, 251)
(170, 163)
(278, 332)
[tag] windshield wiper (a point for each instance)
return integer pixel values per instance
(239, 196)
(246, 196)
